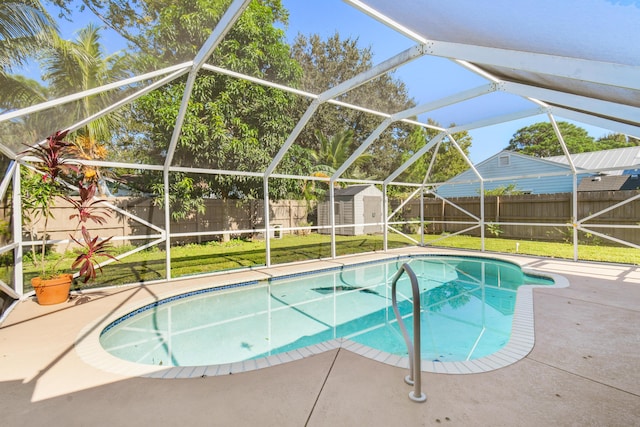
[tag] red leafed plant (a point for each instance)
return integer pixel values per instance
(53, 162)
(92, 247)
(87, 206)
(53, 156)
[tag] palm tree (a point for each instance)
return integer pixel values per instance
(25, 28)
(81, 64)
(334, 152)
(76, 65)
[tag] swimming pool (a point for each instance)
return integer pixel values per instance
(467, 302)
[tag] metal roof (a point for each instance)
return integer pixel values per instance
(610, 161)
(352, 190)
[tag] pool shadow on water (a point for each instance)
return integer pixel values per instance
(342, 288)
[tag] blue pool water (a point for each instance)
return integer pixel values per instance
(467, 308)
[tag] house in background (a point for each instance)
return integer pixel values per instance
(534, 175)
(356, 205)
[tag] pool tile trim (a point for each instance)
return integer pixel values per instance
(176, 298)
(519, 345)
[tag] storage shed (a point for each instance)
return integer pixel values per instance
(357, 205)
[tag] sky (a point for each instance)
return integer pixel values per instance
(427, 79)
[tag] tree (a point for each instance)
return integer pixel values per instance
(326, 63)
(448, 163)
(616, 140)
(231, 124)
(334, 152)
(165, 31)
(71, 66)
(128, 18)
(25, 28)
(504, 190)
(540, 140)
(76, 65)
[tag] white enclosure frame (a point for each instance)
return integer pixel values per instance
(553, 102)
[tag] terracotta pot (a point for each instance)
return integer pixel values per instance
(52, 291)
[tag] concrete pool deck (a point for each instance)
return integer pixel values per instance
(583, 370)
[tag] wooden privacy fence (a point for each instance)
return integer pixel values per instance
(220, 215)
(244, 217)
(553, 209)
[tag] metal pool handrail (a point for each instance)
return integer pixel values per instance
(415, 358)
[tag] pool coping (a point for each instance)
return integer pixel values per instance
(520, 344)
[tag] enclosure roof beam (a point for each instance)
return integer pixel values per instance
(466, 158)
(365, 144)
(221, 29)
(497, 120)
(598, 121)
(128, 99)
(623, 112)
(358, 80)
(292, 137)
(421, 152)
(600, 72)
(446, 101)
(118, 104)
(430, 106)
(401, 29)
(7, 151)
(431, 163)
(606, 73)
(90, 92)
(565, 150)
(257, 80)
(374, 72)
(312, 96)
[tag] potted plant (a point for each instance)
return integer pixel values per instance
(54, 165)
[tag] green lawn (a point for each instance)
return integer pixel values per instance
(211, 257)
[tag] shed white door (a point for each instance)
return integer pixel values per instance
(372, 213)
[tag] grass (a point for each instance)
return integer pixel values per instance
(598, 253)
(209, 257)
(195, 259)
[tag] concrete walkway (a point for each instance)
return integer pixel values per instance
(584, 370)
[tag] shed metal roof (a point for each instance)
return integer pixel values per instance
(352, 190)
